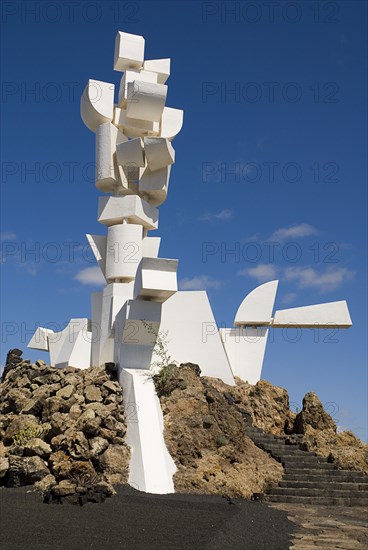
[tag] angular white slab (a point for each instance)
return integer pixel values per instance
(132, 127)
(107, 174)
(76, 353)
(129, 51)
(193, 334)
(98, 246)
(159, 152)
(150, 247)
(245, 348)
(256, 308)
(171, 122)
(153, 186)
(40, 339)
(136, 329)
(159, 66)
(69, 333)
(97, 104)
(131, 76)
(123, 252)
(156, 279)
(133, 209)
(130, 153)
(330, 314)
(151, 466)
(105, 307)
(146, 100)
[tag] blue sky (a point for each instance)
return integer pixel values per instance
(272, 151)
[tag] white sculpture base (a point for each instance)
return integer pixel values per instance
(151, 466)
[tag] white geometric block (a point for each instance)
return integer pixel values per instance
(130, 153)
(171, 122)
(159, 66)
(330, 314)
(156, 279)
(123, 252)
(40, 339)
(256, 308)
(151, 467)
(107, 174)
(245, 348)
(146, 100)
(133, 127)
(105, 307)
(61, 343)
(159, 152)
(76, 353)
(150, 247)
(97, 103)
(129, 51)
(131, 76)
(153, 186)
(98, 246)
(114, 210)
(187, 317)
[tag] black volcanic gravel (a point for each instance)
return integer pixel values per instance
(138, 521)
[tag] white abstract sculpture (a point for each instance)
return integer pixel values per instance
(134, 156)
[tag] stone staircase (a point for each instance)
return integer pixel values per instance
(308, 478)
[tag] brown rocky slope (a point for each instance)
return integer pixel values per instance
(204, 432)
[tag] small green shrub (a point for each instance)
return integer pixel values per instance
(25, 435)
(221, 440)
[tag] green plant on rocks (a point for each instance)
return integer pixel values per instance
(221, 440)
(26, 435)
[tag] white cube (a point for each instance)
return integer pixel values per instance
(114, 210)
(130, 153)
(159, 152)
(130, 76)
(146, 100)
(159, 66)
(129, 51)
(133, 127)
(153, 186)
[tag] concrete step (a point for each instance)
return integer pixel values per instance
(324, 501)
(338, 485)
(306, 492)
(325, 476)
(294, 467)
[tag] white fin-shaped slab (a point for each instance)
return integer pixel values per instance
(330, 314)
(171, 122)
(98, 246)
(256, 308)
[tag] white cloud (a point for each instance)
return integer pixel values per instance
(222, 216)
(262, 272)
(307, 277)
(288, 298)
(90, 276)
(200, 282)
(7, 236)
(301, 230)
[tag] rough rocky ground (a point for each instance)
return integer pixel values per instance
(205, 435)
(332, 528)
(62, 430)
